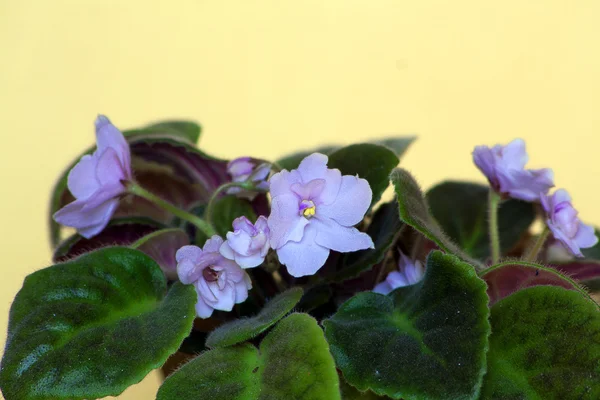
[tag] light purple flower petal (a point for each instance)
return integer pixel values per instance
(504, 167)
(281, 182)
(585, 236)
(82, 180)
(513, 155)
(565, 225)
(189, 252)
(305, 257)
(213, 244)
(109, 170)
(226, 297)
(203, 310)
(108, 136)
(382, 288)
(96, 182)
(352, 202)
(410, 272)
(88, 221)
(240, 167)
(313, 166)
(334, 236)
(187, 271)
(241, 289)
(285, 222)
(310, 190)
(248, 244)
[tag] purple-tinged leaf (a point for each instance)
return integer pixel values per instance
(580, 270)
(510, 277)
(120, 232)
(161, 246)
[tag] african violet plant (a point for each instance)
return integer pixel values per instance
(293, 280)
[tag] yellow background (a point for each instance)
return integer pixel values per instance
(267, 77)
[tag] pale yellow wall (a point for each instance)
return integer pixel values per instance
(266, 77)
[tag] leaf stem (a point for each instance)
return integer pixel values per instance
(139, 191)
(493, 202)
(539, 244)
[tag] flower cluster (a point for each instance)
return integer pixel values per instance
(504, 167)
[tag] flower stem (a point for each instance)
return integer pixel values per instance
(493, 202)
(537, 247)
(201, 224)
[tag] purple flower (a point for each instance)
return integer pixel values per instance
(409, 274)
(248, 244)
(97, 181)
(565, 225)
(504, 167)
(313, 210)
(244, 169)
(220, 283)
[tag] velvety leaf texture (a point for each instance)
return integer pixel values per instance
(414, 211)
(461, 208)
(245, 329)
(425, 341)
(293, 363)
(369, 161)
(545, 345)
(93, 326)
(383, 229)
(507, 278)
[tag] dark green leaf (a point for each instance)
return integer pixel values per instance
(461, 208)
(228, 208)
(119, 232)
(383, 229)
(507, 278)
(398, 144)
(369, 161)
(545, 345)
(293, 160)
(427, 340)
(349, 392)
(414, 211)
(186, 130)
(293, 363)
(93, 326)
(245, 329)
(162, 246)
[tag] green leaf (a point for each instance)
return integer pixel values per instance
(228, 208)
(93, 326)
(397, 144)
(349, 392)
(425, 341)
(186, 130)
(162, 246)
(414, 211)
(242, 330)
(369, 161)
(383, 229)
(510, 277)
(292, 161)
(545, 345)
(293, 363)
(461, 208)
